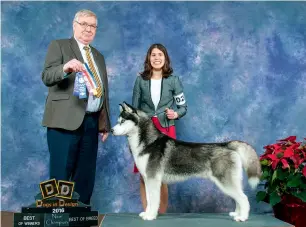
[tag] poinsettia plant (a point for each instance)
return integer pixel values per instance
(283, 171)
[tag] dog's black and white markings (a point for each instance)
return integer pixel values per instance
(160, 158)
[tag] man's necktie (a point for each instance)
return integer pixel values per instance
(94, 72)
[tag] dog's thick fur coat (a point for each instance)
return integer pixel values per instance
(160, 158)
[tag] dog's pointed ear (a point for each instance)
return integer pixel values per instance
(124, 106)
(121, 108)
(128, 108)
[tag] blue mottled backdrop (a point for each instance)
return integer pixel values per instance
(242, 65)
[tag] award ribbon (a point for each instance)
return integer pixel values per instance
(79, 86)
(76, 85)
(85, 79)
(89, 81)
(82, 86)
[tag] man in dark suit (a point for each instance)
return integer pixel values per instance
(73, 124)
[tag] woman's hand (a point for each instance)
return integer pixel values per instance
(171, 114)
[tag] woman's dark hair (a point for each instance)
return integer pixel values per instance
(167, 69)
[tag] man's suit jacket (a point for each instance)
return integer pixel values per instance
(63, 109)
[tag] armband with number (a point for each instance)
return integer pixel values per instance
(179, 99)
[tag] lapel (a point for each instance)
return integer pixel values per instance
(161, 92)
(148, 88)
(76, 50)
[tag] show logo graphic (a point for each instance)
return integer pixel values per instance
(56, 205)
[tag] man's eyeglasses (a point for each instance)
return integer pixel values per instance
(84, 25)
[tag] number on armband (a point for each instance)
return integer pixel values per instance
(180, 99)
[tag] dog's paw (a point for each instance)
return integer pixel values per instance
(147, 216)
(233, 214)
(142, 214)
(240, 218)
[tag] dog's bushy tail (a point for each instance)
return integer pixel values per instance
(250, 161)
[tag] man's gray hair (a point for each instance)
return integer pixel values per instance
(84, 12)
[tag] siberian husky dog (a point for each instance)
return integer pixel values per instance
(160, 158)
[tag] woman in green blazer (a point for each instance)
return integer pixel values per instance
(160, 94)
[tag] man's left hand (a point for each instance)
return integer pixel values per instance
(104, 136)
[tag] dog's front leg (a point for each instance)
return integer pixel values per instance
(147, 197)
(153, 198)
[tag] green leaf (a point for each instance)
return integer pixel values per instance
(300, 195)
(265, 175)
(294, 181)
(264, 162)
(274, 198)
(274, 176)
(303, 185)
(260, 196)
(281, 174)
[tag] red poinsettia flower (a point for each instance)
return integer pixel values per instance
(289, 139)
(297, 160)
(304, 171)
(287, 154)
(280, 156)
(271, 148)
(283, 151)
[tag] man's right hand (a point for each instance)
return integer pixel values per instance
(73, 65)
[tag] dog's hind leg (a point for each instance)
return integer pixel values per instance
(153, 197)
(242, 204)
(231, 184)
(234, 190)
(236, 212)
